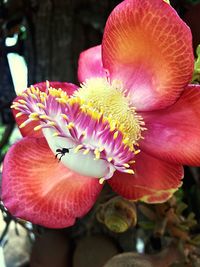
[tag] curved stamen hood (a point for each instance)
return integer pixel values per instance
(96, 125)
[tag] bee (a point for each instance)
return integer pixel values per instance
(61, 152)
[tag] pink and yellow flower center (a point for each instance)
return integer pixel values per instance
(94, 132)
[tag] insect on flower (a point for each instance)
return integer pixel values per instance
(62, 152)
(132, 122)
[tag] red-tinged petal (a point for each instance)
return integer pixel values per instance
(38, 188)
(148, 47)
(154, 180)
(28, 129)
(173, 134)
(90, 64)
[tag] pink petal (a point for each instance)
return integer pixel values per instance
(148, 47)
(38, 188)
(28, 130)
(173, 134)
(90, 64)
(154, 180)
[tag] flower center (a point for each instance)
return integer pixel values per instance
(94, 132)
(110, 100)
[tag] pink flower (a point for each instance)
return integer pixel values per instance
(134, 121)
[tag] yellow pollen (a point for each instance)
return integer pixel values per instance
(126, 165)
(86, 151)
(137, 151)
(40, 105)
(115, 134)
(33, 96)
(97, 153)
(29, 91)
(100, 96)
(55, 134)
(129, 171)
(23, 94)
(22, 125)
(15, 107)
(64, 116)
(45, 117)
(22, 101)
(19, 114)
(110, 159)
(70, 125)
(33, 89)
(34, 116)
(78, 148)
(37, 127)
(51, 123)
(83, 133)
(102, 180)
(167, 1)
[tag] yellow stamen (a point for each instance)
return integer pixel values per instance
(86, 151)
(102, 180)
(55, 134)
(51, 123)
(38, 128)
(45, 117)
(129, 171)
(109, 159)
(33, 96)
(78, 148)
(22, 125)
(126, 165)
(23, 94)
(137, 151)
(97, 153)
(22, 101)
(131, 162)
(115, 135)
(70, 125)
(32, 89)
(18, 114)
(167, 1)
(40, 105)
(34, 116)
(64, 116)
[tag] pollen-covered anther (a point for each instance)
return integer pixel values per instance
(137, 151)
(102, 180)
(40, 105)
(22, 101)
(55, 134)
(126, 165)
(38, 127)
(86, 151)
(70, 125)
(131, 162)
(19, 114)
(109, 159)
(129, 171)
(64, 116)
(115, 134)
(97, 154)
(34, 116)
(79, 147)
(45, 117)
(51, 123)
